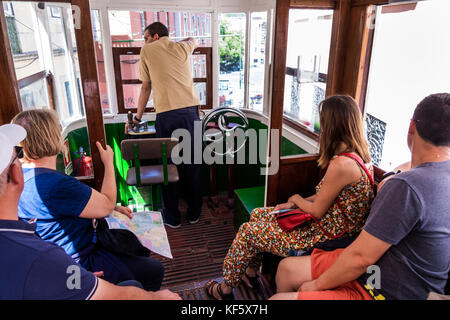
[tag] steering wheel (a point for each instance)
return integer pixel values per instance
(223, 129)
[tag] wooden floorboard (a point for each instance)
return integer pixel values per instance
(198, 252)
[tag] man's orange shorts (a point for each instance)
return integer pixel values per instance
(320, 262)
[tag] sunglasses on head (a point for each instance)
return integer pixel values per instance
(19, 155)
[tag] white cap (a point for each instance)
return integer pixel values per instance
(10, 136)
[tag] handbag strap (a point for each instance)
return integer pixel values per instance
(338, 203)
(361, 164)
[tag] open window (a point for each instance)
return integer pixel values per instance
(127, 32)
(308, 48)
(232, 41)
(45, 56)
(410, 60)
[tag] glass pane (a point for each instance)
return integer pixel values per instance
(307, 64)
(129, 66)
(198, 63)
(201, 90)
(22, 31)
(127, 27)
(131, 96)
(65, 61)
(97, 32)
(257, 60)
(232, 59)
(35, 96)
(410, 60)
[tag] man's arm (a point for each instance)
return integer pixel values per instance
(108, 291)
(195, 44)
(365, 251)
(189, 45)
(144, 96)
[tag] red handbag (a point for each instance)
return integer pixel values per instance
(292, 219)
(289, 220)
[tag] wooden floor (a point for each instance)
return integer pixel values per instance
(198, 252)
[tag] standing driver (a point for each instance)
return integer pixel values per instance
(166, 68)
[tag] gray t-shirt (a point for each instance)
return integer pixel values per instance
(412, 213)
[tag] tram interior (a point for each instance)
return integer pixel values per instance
(273, 61)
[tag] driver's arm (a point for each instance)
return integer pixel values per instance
(146, 90)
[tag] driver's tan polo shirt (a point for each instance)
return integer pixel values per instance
(166, 64)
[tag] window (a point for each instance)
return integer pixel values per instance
(13, 35)
(55, 12)
(126, 48)
(308, 50)
(8, 8)
(101, 71)
(35, 95)
(23, 32)
(232, 58)
(65, 62)
(45, 57)
(410, 60)
(123, 25)
(257, 68)
(69, 97)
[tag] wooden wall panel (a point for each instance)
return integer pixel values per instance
(298, 175)
(356, 3)
(357, 46)
(91, 91)
(314, 4)
(338, 48)
(279, 74)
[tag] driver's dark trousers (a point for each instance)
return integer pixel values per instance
(190, 174)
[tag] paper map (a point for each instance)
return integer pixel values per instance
(148, 226)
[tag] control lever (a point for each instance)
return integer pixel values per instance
(130, 121)
(136, 127)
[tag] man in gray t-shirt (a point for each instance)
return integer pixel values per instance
(412, 214)
(403, 251)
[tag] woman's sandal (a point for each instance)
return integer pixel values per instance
(209, 287)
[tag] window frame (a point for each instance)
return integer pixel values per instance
(88, 76)
(323, 5)
(120, 51)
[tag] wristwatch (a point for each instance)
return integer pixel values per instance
(137, 119)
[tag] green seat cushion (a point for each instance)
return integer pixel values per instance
(245, 200)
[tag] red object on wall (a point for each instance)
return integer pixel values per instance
(84, 166)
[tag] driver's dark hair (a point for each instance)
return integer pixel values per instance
(432, 117)
(157, 28)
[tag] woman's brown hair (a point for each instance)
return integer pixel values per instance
(341, 121)
(43, 133)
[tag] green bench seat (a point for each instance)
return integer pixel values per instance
(245, 200)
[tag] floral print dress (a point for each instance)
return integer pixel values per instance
(262, 233)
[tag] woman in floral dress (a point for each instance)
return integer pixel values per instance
(340, 206)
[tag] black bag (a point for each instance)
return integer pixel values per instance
(119, 240)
